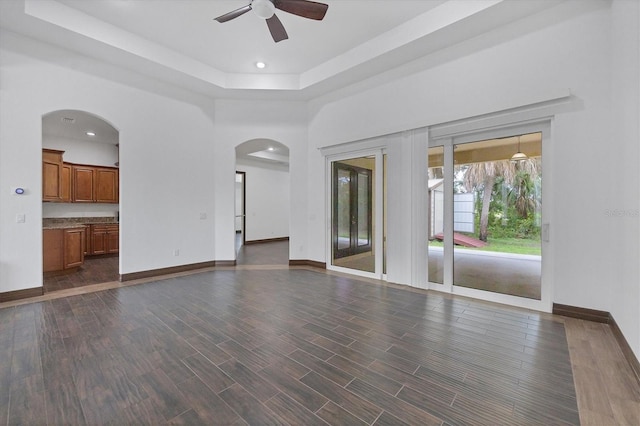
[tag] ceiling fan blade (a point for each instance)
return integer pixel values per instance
(277, 29)
(233, 14)
(304, 8)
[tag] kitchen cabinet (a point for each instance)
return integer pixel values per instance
(51, 175)
(105, 238)
(95, 184)
(83, 184)
(73, 245)
(77, 183)
(65, 185)
(52, 250)
(106, 185)
(63, 248)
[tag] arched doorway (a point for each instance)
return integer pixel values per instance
(80, 200)
(262, 202)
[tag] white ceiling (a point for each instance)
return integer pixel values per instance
(187, 26)
(178, 41)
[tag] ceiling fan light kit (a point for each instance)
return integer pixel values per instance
(265, 9)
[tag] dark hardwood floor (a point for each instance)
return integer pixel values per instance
(288, 346)
(271, 253)
(95, 270)
(264, 343)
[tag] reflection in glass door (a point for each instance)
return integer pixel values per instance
(352, 201)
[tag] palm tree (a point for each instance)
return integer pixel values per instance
(524, 193)
(481, 177)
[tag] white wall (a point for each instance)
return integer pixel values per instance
(82, 152)
(268, 201)
(166, 157)
(567, 47)
(238, 121)
(625, 209)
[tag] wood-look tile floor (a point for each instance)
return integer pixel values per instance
(266, 344)
(287, 346)
(95, 270)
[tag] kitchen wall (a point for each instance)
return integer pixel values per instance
(81, 152)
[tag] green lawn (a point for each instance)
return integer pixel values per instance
(505, 245)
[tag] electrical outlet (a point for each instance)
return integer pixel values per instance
(20, 218)
(176, 252)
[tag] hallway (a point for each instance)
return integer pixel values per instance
(269, 253)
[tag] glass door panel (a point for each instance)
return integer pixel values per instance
(343, 209)
(364, 210)
(435, 212)
(497, 215)
(352, 201)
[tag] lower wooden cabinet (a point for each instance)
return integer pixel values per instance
(63, 248)
(52, 250)
(105, 238)
(66, 248)
(73, 247)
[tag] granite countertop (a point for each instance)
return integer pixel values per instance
(75, 222)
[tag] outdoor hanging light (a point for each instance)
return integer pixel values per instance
(519, 156)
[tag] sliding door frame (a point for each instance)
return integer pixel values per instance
(449, 139)
(377, 218)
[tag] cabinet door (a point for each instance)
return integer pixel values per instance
(106, 185)
(73, 247)
(113, 239)
(83, 184)
(98, 240)
(52, 253)
(65, 185)
(87, 241)
(51, 180)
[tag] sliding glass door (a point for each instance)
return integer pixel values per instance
(353, 214)
(352, 188)
(485, 215)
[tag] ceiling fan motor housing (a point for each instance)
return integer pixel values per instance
(263, 8)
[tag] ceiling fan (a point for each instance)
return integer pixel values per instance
(265, 9)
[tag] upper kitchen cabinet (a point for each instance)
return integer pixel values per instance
(65, 189)
(52, 175)
(83, 178)
(106, 185)
(77, 183)
(95, 184)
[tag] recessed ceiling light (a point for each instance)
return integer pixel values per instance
(91, 134)
(260, 65)
(270, 148)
